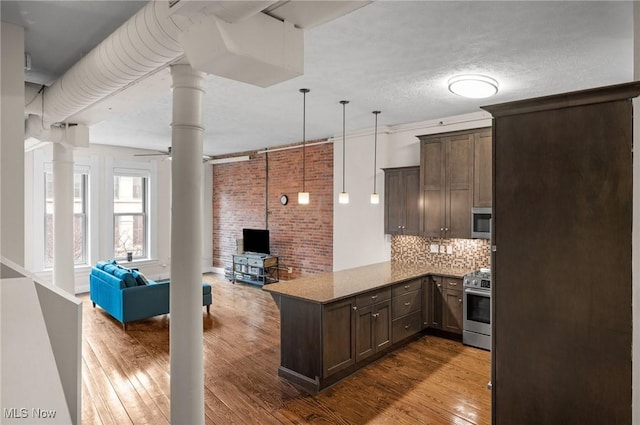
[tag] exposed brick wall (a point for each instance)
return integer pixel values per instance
(301, 235)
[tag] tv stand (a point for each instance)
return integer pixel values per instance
(255, 268)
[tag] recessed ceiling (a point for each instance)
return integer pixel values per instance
(391, 56)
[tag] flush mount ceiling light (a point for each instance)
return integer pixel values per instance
(473, 86)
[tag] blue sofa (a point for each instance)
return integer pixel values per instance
(127, 295)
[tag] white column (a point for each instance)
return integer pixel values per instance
(63, 272)
(12, 143)
(186, 347)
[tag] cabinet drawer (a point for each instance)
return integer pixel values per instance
(452, 283)
(240, 260)
(372, 297)
(406, 303)
(405, 326)
(257, 262)
(408, 286)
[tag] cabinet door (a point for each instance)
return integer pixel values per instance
(365, 338)
(338, 336)
(411, 187)
(382, 325)
(432, 183)
(482, 172)
(435, 298)
(426, 302)
(459, 186)
(393, 202)
(452, 319)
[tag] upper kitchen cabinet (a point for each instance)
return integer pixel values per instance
(446, 183)
(482, 175)
(455, 176)
(402, 201)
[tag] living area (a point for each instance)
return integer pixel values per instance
(151, 230)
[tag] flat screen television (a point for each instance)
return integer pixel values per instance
(256, 240)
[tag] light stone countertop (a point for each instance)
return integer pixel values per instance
(328, 287)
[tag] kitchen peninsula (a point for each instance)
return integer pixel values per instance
(332, 324)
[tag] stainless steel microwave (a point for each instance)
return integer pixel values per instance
(481, 223)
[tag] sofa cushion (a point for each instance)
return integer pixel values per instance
(126, 276)
(140, 278)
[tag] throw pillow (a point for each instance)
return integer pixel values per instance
(140, 278)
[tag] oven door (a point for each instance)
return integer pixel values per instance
(477, 311)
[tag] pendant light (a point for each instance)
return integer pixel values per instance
(343, 198)
(303, 197)
(375, 198)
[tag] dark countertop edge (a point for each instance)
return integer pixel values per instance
(356, 293)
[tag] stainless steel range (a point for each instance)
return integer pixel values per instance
(476, 304)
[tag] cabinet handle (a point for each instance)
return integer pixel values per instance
(399, 227)
(459, 300)
(375, 314)
(407, 286)
(446, 229)
(373, 297)
(407, 304)
(453, 283)
(438, 285)
(442, 229)
(354, 308)
(406, 326)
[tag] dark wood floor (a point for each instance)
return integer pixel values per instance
(125, 375)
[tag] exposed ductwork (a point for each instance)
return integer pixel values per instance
(160, 34)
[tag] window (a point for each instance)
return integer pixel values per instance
(80, 218)
(130, 221)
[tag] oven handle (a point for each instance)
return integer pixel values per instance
(480, 293)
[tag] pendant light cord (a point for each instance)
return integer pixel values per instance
(344, 103)
(375, 150)
(304, 137)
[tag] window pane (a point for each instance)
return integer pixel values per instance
(129, 235)
(79, 219)
(128, 194)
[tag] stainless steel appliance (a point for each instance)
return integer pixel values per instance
(481, 223)
(476, 304)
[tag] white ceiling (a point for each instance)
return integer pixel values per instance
(395, 56)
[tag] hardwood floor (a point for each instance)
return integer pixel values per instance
(125, 375)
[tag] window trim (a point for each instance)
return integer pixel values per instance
(144, 214)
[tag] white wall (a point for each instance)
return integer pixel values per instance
(11, 143)
(101, 160)
(358, 227)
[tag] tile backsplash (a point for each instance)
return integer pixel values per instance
(464, 253)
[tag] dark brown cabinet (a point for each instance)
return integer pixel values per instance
(446, 184)
(373, 322)
(373, 329)
(452, 302)
(406, 309)
(338, 327)
(443, 301)
(482, 175)
(563, 187)
(402, 201)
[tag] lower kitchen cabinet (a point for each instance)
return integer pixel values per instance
(338, 327)
(406, 311)
(443, 304)
(373, 329)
